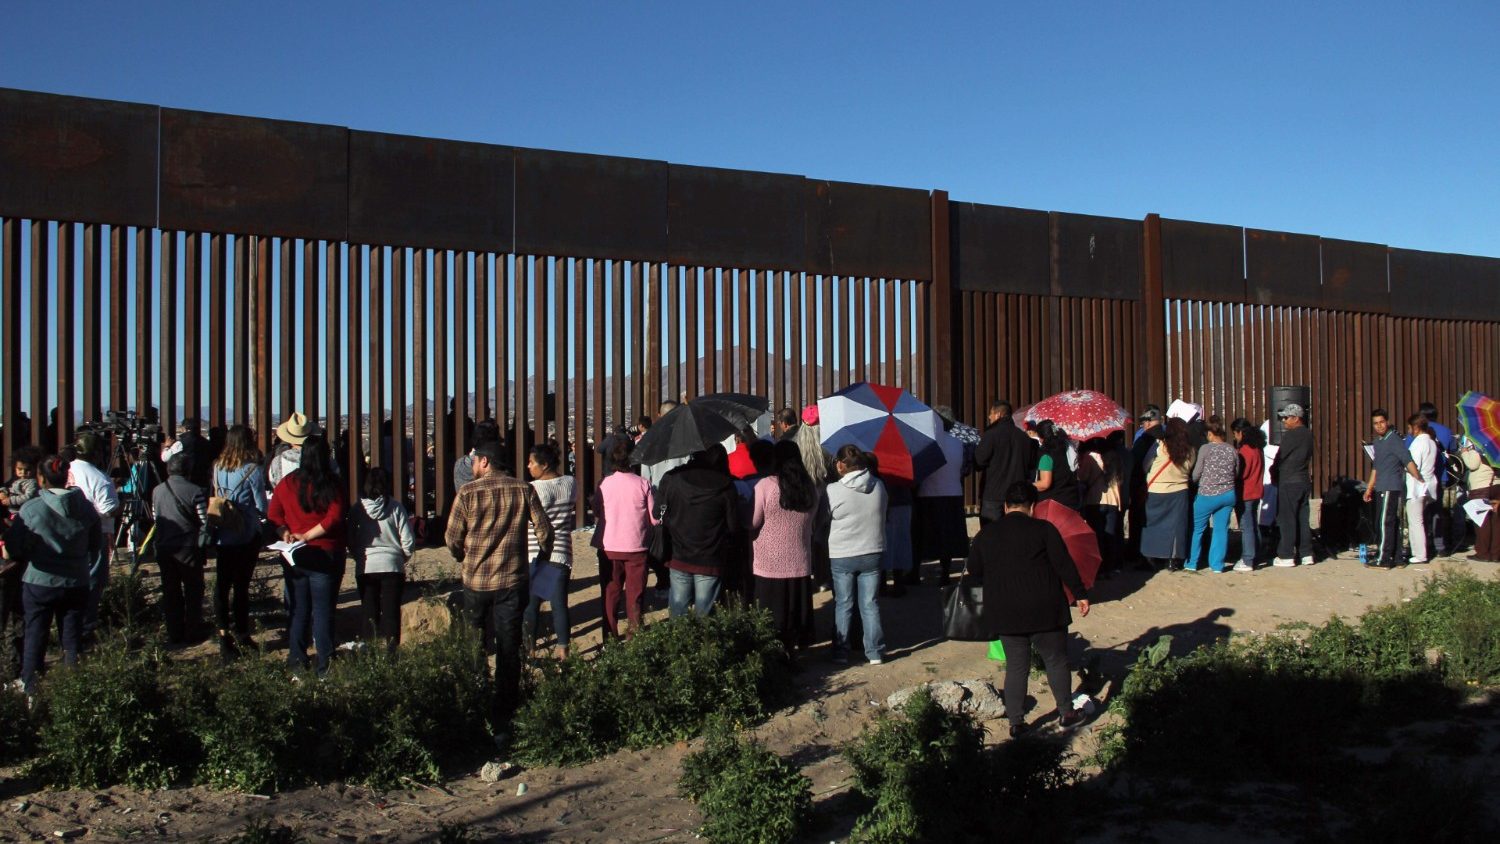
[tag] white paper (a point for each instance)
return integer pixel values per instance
(1370, 452)
(1477, 510)
(287, 549)
(1186, 411)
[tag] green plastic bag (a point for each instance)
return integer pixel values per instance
(996, 652)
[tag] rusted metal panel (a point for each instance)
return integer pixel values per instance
(311, 405)
(616, 311)
(375, 305)
(1355, 276)
(1096, 256)
(65, 334)
(333, 406)
(261, 362)
(71, 158)
(93, 328)
(869, 230)
(735, 218)
(38, 353)
(1438, 285)
(402, 350)
(421, 484)
(999, 249)
(242, 320)
(590, 206)
(192, 327)
(247, 175)
(145, 337)
(10, 325)
(166, 332)
(442, 424)
(1202, 261)
(484, 266)
(461, 420)
(411, 191)
(1282, 269)
(286, 328)
(580, 449)
(119, 310)
(1153, 302)
(217, 341)
(354, 294)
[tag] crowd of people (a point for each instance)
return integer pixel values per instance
(768, 520)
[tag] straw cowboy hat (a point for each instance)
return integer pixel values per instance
(294, 430)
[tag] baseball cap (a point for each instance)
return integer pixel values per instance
(1292, 409)
(1150, 414)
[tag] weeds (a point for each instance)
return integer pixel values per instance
(660, 687)
(747, 794)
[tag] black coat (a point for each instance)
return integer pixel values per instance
(702, 514)
(1006, 455)
(1023, 564)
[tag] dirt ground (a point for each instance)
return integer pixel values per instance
(631, 796)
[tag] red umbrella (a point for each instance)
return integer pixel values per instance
(1084, 414)
(1083, 546)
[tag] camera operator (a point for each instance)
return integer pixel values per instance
(85, 461)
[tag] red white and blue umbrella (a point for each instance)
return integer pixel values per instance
(1084, 414)
(890, 423)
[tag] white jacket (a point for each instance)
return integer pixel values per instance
(1424, 453)
(857, 505)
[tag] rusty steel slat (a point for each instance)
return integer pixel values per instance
(93, 333)
(743, 332)
(442, 425)
(673, 389)
(354, 294)
(502, 342)
(826, 304)
(807, 344)
(217, 371)
(598, 420)
(262, 339)
(918, 362)
(460, 321)
(522, 279)
(10, 352)
(119, 338)
(966, 364)
(795, 318)
(541, 284)
(888, 290)
(241, 319)
(65, 297)
(144, 336)
(725, 346)
(192, 326)
(760, 292)
(286, 298)
(375, 257)
(1206, 366)
(421, 486)
(484, 272)
(692, 335)
(652, 369)
(1064, 308)
(334, 405)
(637, 346)
(580, 390)
(620, 272)
(838, 332)
(710, 305)
(310, 273)
(166, 324)
(866, 316)
(402, 351)
(560, 308)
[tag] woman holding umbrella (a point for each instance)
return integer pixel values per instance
(1023, 565)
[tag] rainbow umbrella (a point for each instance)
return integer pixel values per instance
(1480, 416)
(887, 421)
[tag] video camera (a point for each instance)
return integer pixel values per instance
(128, 428)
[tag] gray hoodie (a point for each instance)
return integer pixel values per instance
(857, 505)
(380, 536)
(56, 533)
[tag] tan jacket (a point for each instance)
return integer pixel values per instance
(1166, 476)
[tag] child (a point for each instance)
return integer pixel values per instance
(22, 487)
(380, 540)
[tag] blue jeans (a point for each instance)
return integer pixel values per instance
(311, 595)
(1217, 508)
(558, 603)
(1249, 530)
(863, 574)
(701, 590)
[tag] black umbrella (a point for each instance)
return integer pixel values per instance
(697, 426)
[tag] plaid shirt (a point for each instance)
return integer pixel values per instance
(487, 531)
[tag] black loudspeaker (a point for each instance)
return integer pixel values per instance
(1279, 397)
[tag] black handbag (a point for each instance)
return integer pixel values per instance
(661, 541)
(963, 612)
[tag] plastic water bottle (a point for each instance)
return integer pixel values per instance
(1364, 554)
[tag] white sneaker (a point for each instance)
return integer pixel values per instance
(1308, 560)
(1242, 566)
(877, 662)
(1416, 562)
(1283, 563)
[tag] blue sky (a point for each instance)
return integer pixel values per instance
(1370, 121)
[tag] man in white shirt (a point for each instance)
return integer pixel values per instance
(85, 475)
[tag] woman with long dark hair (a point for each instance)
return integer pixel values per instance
(1169, 503)
(1101, 474)
(781, 526)
(1055, 478)
(240, 478)
(1249, 488)
(308, 507)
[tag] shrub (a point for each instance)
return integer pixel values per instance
(660, 687)
(252, 727)
(925, 770)
(105, 721)
(126, 608)
(747, 794)
(17, 730)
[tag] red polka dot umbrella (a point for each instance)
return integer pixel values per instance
(1084, 414)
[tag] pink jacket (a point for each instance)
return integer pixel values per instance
(626, 510)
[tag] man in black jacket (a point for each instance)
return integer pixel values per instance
(1006, 455)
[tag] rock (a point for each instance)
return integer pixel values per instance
(520, 789)
(494, 771)
(975, 697)
(21, 806)
(425, 620)
(69, 833)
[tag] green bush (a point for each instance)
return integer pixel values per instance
(105, 721)
(127, 609)
(250, 725)
(660, 687)
(747, 794)
(17, 730)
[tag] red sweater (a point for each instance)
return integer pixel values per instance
(286, 511)
(1252, 474)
